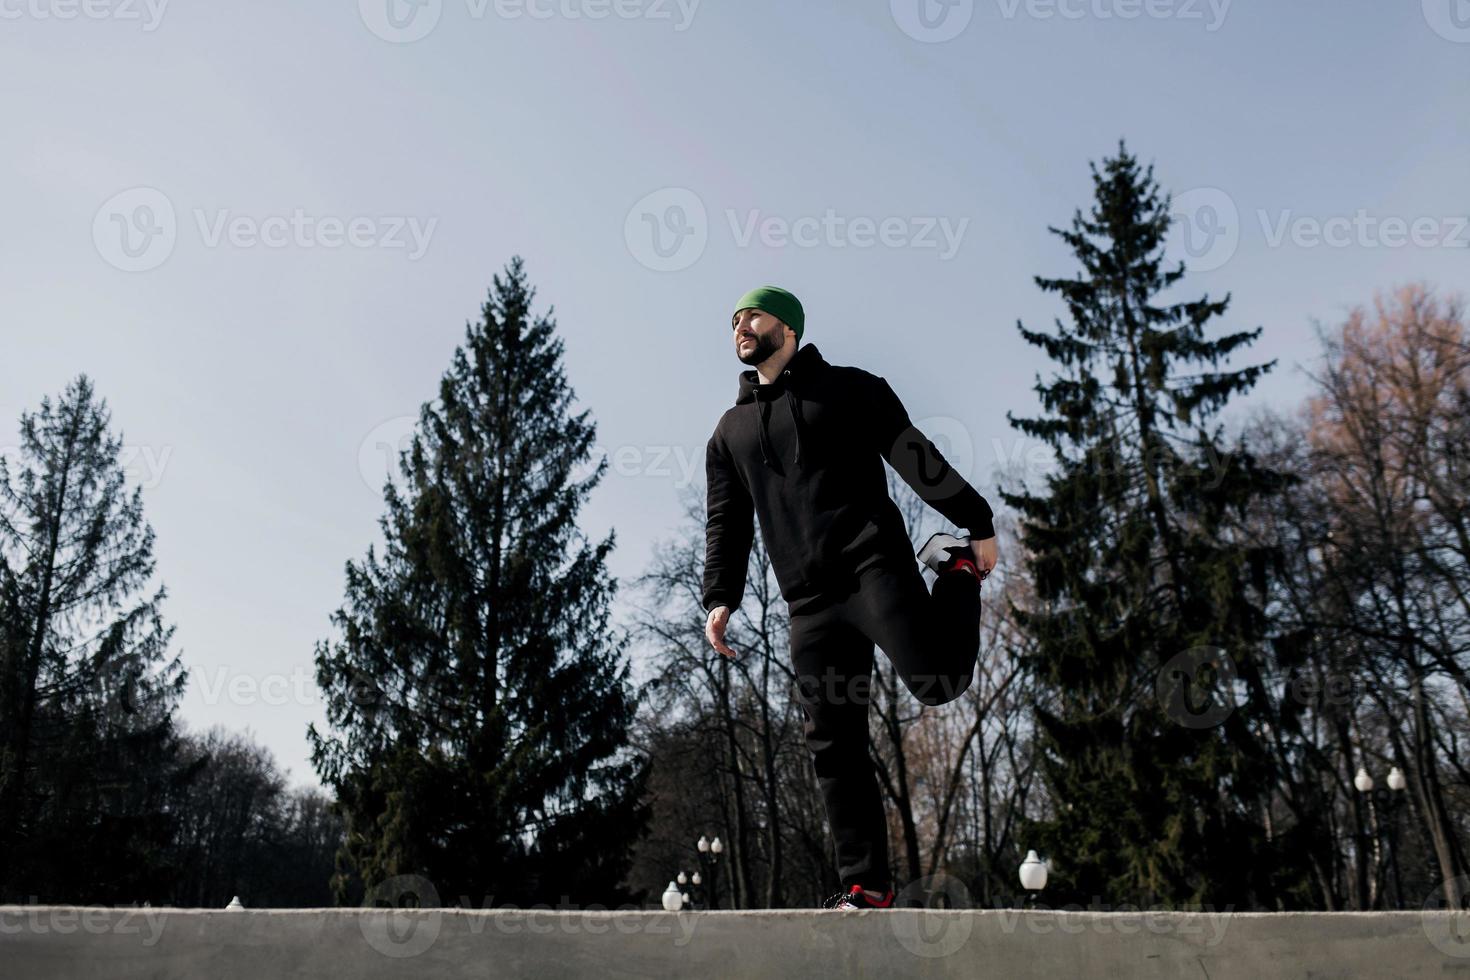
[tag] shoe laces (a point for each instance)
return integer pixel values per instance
(856, 898)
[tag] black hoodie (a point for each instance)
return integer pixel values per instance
(806, 453)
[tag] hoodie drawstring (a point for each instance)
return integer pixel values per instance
(765, 409)
(792, 402)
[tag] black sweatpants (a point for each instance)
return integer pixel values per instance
(932, 639)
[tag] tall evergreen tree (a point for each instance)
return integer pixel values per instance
(478, 700)
(88, 687)
(1149, 624)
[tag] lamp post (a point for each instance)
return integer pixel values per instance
(1033, 877)
(1387, 801)
(709, 852)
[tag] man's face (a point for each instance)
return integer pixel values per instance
(758, 335)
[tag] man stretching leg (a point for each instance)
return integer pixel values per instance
(803, 448)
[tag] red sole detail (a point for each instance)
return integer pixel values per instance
(964, 564)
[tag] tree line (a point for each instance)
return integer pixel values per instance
(1203, 643)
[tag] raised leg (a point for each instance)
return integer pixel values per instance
(932, 637)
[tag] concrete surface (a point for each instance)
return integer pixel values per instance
(62, 942)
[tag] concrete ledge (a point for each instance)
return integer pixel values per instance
(63, 942)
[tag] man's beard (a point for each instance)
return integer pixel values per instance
(765, 346)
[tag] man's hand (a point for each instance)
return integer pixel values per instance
(714, 629)
(985, 555)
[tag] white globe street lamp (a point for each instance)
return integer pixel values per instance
(1363, 781)
(1396, 780)
(708, 855)
(1033, 874)
(672, 900)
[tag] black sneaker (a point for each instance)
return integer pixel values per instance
(948, 553)
(856, 898)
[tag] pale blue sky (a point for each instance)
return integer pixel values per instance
(249, 376)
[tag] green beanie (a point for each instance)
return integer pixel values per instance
(777, 302)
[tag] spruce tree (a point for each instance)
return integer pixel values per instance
(88, 685)
(1148, 625)
(478, 699)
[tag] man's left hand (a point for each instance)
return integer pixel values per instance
(986, 555)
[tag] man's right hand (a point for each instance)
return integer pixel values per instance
(714, 629)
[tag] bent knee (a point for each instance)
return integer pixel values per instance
(936, 689)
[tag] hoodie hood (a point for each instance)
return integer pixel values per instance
(806, 361)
